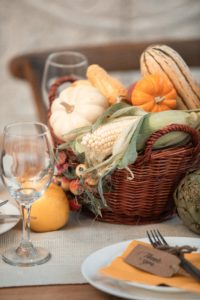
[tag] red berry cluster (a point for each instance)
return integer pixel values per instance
(65, 177)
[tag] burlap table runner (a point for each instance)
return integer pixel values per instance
(71, 245)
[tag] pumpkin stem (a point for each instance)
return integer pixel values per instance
(159, 99)
(69, 108)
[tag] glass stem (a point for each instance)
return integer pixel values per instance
(26, 210)
(26, 248)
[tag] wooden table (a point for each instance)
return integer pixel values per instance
(55, 292)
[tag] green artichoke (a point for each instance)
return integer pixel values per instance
(187, 200)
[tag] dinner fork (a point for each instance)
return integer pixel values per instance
(158, 241)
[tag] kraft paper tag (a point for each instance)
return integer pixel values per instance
(154, 261)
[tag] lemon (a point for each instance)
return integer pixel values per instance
(51, 211)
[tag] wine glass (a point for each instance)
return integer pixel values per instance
(60, 64)
(27, 165)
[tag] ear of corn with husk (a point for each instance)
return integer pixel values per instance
(156, 121)
(107, 138)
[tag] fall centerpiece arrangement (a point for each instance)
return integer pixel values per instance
(121, 151)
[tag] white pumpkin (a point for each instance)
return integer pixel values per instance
(77, 106)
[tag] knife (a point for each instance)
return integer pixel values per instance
(6, 216)
(12, 216)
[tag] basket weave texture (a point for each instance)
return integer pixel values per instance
(148, 197)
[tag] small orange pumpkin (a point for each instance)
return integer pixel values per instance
(154, 93)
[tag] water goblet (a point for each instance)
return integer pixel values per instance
(61, 64)
(27, 165)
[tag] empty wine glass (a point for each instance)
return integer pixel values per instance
(59, 64)
(27, 164)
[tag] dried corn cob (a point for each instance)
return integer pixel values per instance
(99, 144)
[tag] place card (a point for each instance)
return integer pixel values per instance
(154, 261)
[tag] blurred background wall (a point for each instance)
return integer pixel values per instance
(34, 25)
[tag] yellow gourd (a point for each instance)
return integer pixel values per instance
(51, 211)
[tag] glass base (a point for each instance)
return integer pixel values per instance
(24, 258)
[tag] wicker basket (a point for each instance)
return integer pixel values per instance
(148, 198)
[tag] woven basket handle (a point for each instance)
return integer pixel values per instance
(53, 91)
(195, 139)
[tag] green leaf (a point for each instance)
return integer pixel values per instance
(93, 203)
(130, 155)
(105, 116)
(72, 135)
(128, 111)
(123, 140)
(101, 185)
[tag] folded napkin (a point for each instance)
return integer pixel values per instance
(120, 270)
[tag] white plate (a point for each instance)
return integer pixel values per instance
(7, 224)
(131, 290)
